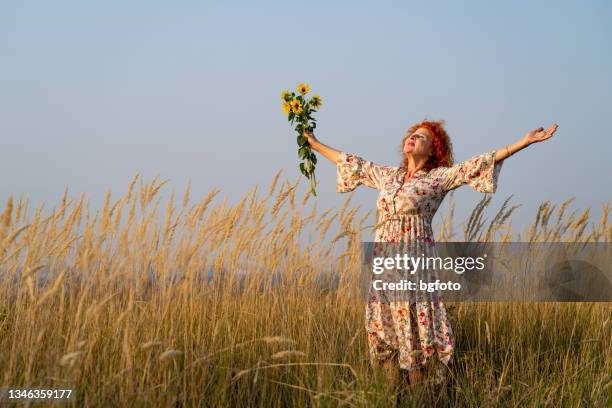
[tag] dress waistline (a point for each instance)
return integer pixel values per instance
(385, 218)
(399, 216)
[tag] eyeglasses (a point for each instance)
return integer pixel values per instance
(418, 135)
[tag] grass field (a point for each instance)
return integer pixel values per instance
(118, 305)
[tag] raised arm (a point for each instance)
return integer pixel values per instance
(352, 170)
(481, 171)
(329, 152)
(533, 136)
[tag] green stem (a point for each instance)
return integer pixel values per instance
(308, 164)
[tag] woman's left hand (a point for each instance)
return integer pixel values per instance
(539, 134)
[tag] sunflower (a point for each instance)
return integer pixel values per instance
(285, 95)
(316, 102)
(286, 107)
(295, 106)
(303, 88)
(297, 109)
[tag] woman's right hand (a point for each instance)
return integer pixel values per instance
(329, 152)
(312, 140)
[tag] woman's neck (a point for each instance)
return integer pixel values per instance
(415, 164)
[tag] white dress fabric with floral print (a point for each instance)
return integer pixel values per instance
(411, 331)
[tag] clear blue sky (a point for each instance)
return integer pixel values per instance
(94, 93)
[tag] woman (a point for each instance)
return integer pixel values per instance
(405, 335)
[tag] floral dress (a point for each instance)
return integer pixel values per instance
(411, 331)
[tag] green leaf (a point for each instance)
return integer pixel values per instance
(301, 141)
(302, 169)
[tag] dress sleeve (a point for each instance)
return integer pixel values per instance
(353, 171)
(480, 172)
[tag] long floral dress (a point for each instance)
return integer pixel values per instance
(411, 331)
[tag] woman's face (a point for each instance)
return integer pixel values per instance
(418, 143)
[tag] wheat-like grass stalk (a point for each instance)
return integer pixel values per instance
(169, 354)
(273, 185)
(285, 354)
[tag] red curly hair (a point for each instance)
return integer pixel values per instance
(442, 148)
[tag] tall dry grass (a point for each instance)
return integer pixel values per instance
(211, 304)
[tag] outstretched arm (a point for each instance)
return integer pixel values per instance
(352, 170)
(329, 152)
(533, 136)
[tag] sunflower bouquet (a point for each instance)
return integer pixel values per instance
(299, 110)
